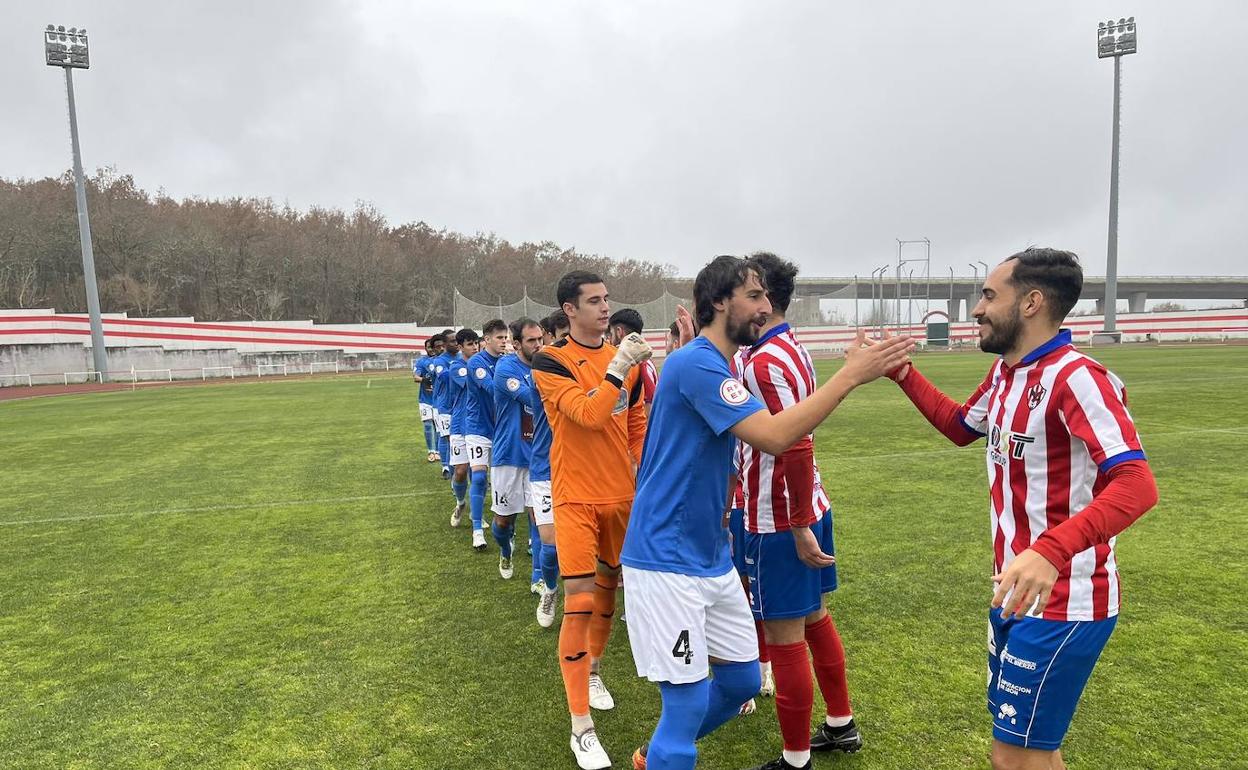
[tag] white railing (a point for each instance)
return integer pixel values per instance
(17, 377)
(312, 367)
(375, 365)
(271, 368)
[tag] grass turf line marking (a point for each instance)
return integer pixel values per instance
(220, 508)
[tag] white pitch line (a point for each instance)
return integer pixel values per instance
(220, 508)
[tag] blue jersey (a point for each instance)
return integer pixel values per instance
(480, 420)
(677, 519)
(438, 366)
(539, 460)
(457, 394)
(513, 412)
(421, 369)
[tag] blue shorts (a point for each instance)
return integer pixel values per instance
(736, 538)
(1037, 670)
(781, 586)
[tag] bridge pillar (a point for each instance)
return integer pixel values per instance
(1136, 301)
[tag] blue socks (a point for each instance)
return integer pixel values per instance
(502, 532)
(732, 684)
(550, 565)
(460, 488)
(691, 711)
(431, 436)
(444, 451)
(476, 495)
(535, 545)
(684, 708)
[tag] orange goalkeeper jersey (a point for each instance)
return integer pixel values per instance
(597, 424)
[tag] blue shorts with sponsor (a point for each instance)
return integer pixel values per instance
(781, 586)
(1037, 670)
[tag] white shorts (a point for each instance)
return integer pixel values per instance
(426, 412)
(479, 450)
(459, 450)
(511, 489)
(443, 421)
(676, 623)
(541, 502)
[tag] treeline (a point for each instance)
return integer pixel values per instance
(249, 258)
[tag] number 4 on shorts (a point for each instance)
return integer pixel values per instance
(682, 650)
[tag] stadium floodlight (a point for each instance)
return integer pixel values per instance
(68, 50)
(1114, 40)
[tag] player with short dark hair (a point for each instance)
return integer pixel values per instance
(1066, 475)
(687, 613)
(786, 541)
(560, 324)
(514, 431)
(479, 437)
(441, 404)
(424, 382)
(543, 502)
(457, 396)
(591, 392)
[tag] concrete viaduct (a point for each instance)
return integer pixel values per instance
(961, 293)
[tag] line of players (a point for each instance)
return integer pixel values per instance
(729, 442)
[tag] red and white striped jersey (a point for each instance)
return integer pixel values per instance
(779, 372)
(649, 380)
(1055, 423)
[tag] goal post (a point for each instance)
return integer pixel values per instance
(16, 378)
(323, 366)
(163, 374)
(262, 369)
(87, 376)
(210, 371)
(374, 365)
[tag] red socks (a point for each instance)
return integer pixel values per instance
(794, 693)
(829, 659)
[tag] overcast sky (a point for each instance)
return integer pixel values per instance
(671, 131)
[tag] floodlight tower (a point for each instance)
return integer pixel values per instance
(1114, 40)
(68, 50)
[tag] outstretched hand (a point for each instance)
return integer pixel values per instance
(867, 360)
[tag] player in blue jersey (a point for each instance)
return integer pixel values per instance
(479, 428)
(688, 616)
(546, 557)
(424, 381)
(441, 405)
(513, 437)
(457, 404)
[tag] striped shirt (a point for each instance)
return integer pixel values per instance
(778, 371)
(1056, 422)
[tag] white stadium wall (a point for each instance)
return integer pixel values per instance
(44, 346)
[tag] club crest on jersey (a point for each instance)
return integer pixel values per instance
(513, 384)
(733, 392)
(480, 373)
(1035, 395)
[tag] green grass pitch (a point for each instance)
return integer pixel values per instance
(262, 576)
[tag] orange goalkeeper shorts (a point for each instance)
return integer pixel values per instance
(586, 534)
